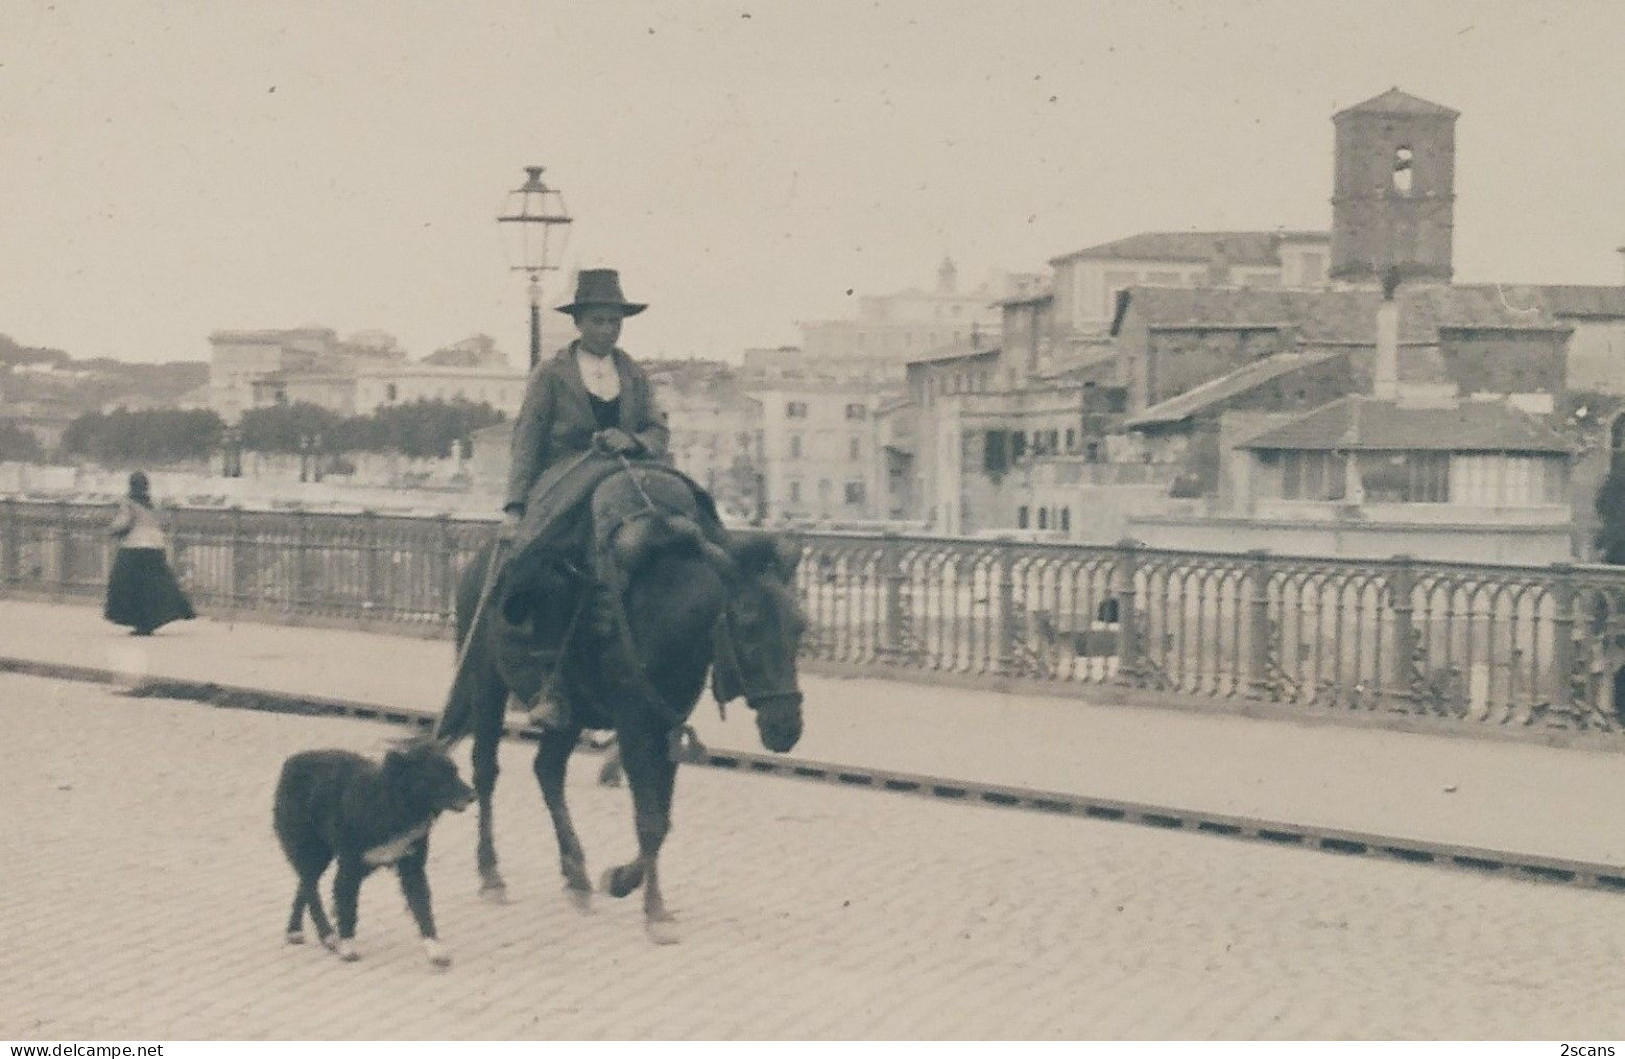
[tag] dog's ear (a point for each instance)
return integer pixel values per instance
(394, 761)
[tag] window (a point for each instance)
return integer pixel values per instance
(795, 446)
(390, 392)
(856, 411)
(1402, 170)
(1018, 446)
(1021, 517)
(1066, 520)
(1043, 518)
(995, 452)
(854, 448)
(795, 410)
(1312, 475)
(1071, 440)
(795, 491)
(854, 492)
(823, 488)
(1405, 477)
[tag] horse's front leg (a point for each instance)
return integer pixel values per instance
(552, 761)
(651, 775)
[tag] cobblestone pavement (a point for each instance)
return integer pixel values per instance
(143, 896)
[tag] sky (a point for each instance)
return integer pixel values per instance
(168, 169)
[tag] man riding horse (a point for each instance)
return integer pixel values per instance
(588, 413)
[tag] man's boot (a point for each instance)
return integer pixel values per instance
(549, 710)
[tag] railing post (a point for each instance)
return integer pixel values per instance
(445, 572)
(1559, 686)
(239, 557)
(891, 603)
(1403, 674)
(1004, 648)
(301, 564)
(13, 568)
(369, 572)
(64, 554)
(1257, 678)
(1129, 644)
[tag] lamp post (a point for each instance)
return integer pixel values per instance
(536, 228)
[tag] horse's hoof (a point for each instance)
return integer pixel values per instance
(661, 931)
(611, 883)
(494, 893)
(436, 952)
(296, 937)
(580, 899)
(330, 942)
(346, 951)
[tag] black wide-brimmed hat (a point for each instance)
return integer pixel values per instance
(600, 288)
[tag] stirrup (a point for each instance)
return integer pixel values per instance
(548, 712)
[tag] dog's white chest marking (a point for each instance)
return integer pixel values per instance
(393, 850)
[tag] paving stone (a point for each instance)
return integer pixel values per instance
(145, 898)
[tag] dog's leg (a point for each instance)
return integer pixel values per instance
(415, 885)
(296, 920)
(318, 914)
(552, 762)
(346, 896)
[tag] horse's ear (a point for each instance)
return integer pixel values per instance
(787, 555)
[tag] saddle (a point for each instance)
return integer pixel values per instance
(587, 525)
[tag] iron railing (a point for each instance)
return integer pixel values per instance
(1525, 645)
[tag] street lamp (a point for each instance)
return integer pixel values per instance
(528, 219)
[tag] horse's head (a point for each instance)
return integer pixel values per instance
(759, 637)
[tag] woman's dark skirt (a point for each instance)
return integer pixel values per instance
(142, 593)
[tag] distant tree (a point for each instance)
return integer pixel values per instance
(284, 427)
(19, 444)
(431, 429)
(419, 429)
(1610, 506)
(153, 437)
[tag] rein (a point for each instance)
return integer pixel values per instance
(677, 720)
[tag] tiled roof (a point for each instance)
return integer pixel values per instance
(1215, 391)
(1575, 300)
(1363, 423)
(1334, 316)
(1394, 101)
(1237, 248)
(952, 353)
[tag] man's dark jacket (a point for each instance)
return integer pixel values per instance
(556, 420)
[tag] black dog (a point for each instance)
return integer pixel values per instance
(332, 804)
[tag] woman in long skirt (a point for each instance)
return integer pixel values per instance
(142, 591)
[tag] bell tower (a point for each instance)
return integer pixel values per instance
(1393, 197)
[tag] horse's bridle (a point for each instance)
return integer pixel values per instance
(755, 697)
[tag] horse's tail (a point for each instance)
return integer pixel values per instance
(457, 717)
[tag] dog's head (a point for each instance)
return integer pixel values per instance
(426, 777)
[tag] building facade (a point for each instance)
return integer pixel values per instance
(888, 330)
(1086, 283)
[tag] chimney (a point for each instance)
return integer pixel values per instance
(1385, 368)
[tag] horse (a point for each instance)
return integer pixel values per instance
(677, 604)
